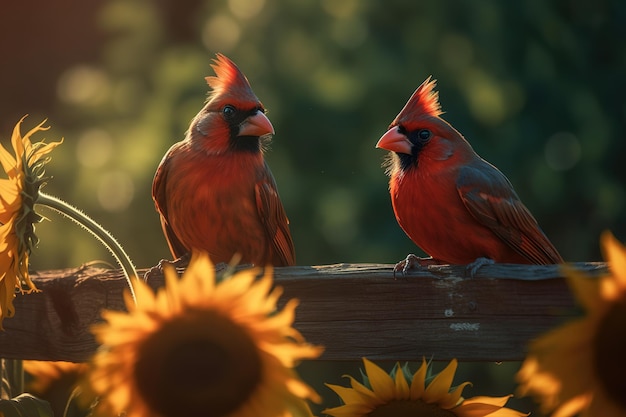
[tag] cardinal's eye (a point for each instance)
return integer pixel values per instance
(228, 111)
(424, 134)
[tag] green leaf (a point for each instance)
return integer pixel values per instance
(25, 405)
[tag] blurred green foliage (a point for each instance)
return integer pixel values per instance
(537, 87)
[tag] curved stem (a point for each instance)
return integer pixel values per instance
(97, 231)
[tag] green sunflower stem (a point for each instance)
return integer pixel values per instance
(97, 231)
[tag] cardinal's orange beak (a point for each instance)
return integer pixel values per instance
(395, 141)
(256, 125)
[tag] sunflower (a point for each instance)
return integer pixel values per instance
(19, 191)
(579, 367)
(202, 348)
(55, 382)
(392, 394)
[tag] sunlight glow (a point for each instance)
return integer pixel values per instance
(94, 148)
(115, 191)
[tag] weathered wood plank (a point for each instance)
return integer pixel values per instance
(354, 310)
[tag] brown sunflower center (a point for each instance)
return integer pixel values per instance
(407, 408)
(197, 364)
(609, 347)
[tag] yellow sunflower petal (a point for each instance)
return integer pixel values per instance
(548, 372)
(586, 289)
(241, 285)
(380, 381)
(572, 350)
(200, 281)
(454, 397)
(6, 257)
(615, 255)
(172, 289)
(347, 395)
(285, 318)
(162, 300)
(287, 352)
(438, 388)
(362, 389)
(5, 234)
(299, 388)
(480, 409)
(8, 161)
(22, 272)
(272, 297)
(7, 294)
(296, 408)
(9, 192)
(199, 313)
(119, 319)
(119, 395)
(262, 288)
(401, 386)
(144, 296)
(17, 143)
(419, 381)
(26, 142)
(17, 135)
(43, 150)
(574, 406)
(15, 216)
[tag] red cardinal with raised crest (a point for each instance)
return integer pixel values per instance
(213, 190)
(453, 204)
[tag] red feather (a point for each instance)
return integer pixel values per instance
(229, 82)
(214, 191)
(452, 203)
(423, 102)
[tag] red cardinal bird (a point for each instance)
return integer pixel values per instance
(453, 204)
(213, 190)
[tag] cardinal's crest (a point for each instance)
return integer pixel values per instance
(423, 102)
(229, 81)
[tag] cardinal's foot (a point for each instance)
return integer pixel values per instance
(157, 270)
(412, 262)
(473, 268)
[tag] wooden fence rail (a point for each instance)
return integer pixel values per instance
(354, 310)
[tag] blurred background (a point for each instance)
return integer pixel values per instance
(537, 87)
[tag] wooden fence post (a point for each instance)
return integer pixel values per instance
(354, 310)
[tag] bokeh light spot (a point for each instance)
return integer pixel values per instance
(94, 148)
(340, 9)
(562, 151)
(115, 191)
(487, 105)
(337, 88)
(83, 85)
(486, 98)
(246, 9)
(221, 33)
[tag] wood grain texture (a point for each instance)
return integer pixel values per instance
(354, 310)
